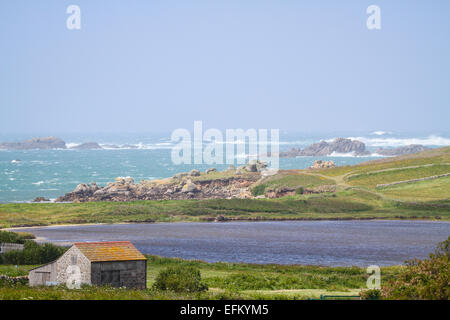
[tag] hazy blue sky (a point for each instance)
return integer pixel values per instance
(160, 65)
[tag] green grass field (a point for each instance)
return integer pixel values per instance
(225, 281)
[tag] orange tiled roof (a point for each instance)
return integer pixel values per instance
(109, 251)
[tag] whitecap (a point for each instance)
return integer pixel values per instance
(381, 133)
(431, 140)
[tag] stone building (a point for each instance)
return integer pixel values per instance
(114, 263)
(5, 247)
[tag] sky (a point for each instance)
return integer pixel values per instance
(142, 66)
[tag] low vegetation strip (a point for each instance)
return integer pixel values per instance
(355, 175)
(385, 185)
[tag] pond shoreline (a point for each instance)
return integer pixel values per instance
(231, 220)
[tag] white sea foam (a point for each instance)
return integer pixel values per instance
(352, 154)
(38, 183)
(431, 140)
(381, 133)
(72, 144)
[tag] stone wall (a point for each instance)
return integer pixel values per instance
(5, 247)
(73, 256)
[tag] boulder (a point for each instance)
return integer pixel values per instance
(82, 188)
(40, 199)
(129, 180)
(207, 171)
(319, 164)
(189, 187)
(180, 175)
(194, 173)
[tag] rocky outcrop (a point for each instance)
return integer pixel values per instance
(289, 191)
(194, 173)
(7, 280)
(35, 143)
(181, 186)
(87, 146)
(323, 148)
(412, 148)
(319, 164)
(41, 199)
(255, 166)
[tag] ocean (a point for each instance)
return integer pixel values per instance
(52, 173)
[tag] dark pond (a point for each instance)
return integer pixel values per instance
(333, 243)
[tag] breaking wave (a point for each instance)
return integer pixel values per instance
(432, 140)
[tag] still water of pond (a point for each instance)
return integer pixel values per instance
(332, 243)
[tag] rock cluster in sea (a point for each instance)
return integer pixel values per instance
(35, 143)
(347, 146)
(324, 148)
(46, 143)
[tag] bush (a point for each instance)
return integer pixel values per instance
(371, 294)
(258, 190)
(299, 190)
(32, 253)
(13, 237)
(423, 279)
(180, 279)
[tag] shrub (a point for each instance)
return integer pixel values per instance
(371, 294)
(32, 253)
(258, 190)
(299, 190)
(180, 279)
(13, 237)
(426, 279)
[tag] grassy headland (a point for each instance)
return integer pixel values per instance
(356, 196)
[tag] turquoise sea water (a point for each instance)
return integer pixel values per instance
(52, 173)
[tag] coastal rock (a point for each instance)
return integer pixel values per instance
(194, 173)
(82, 188)
(41, 199)
(180, 175)
(412, 148)
(319, 164)
(35, 143)
(280, 192)
(189, 187)
(87, 146)
(323, 148)
(208, 171)
(124, 189)
(240, 170)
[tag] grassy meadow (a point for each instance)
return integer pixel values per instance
(224, 280)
